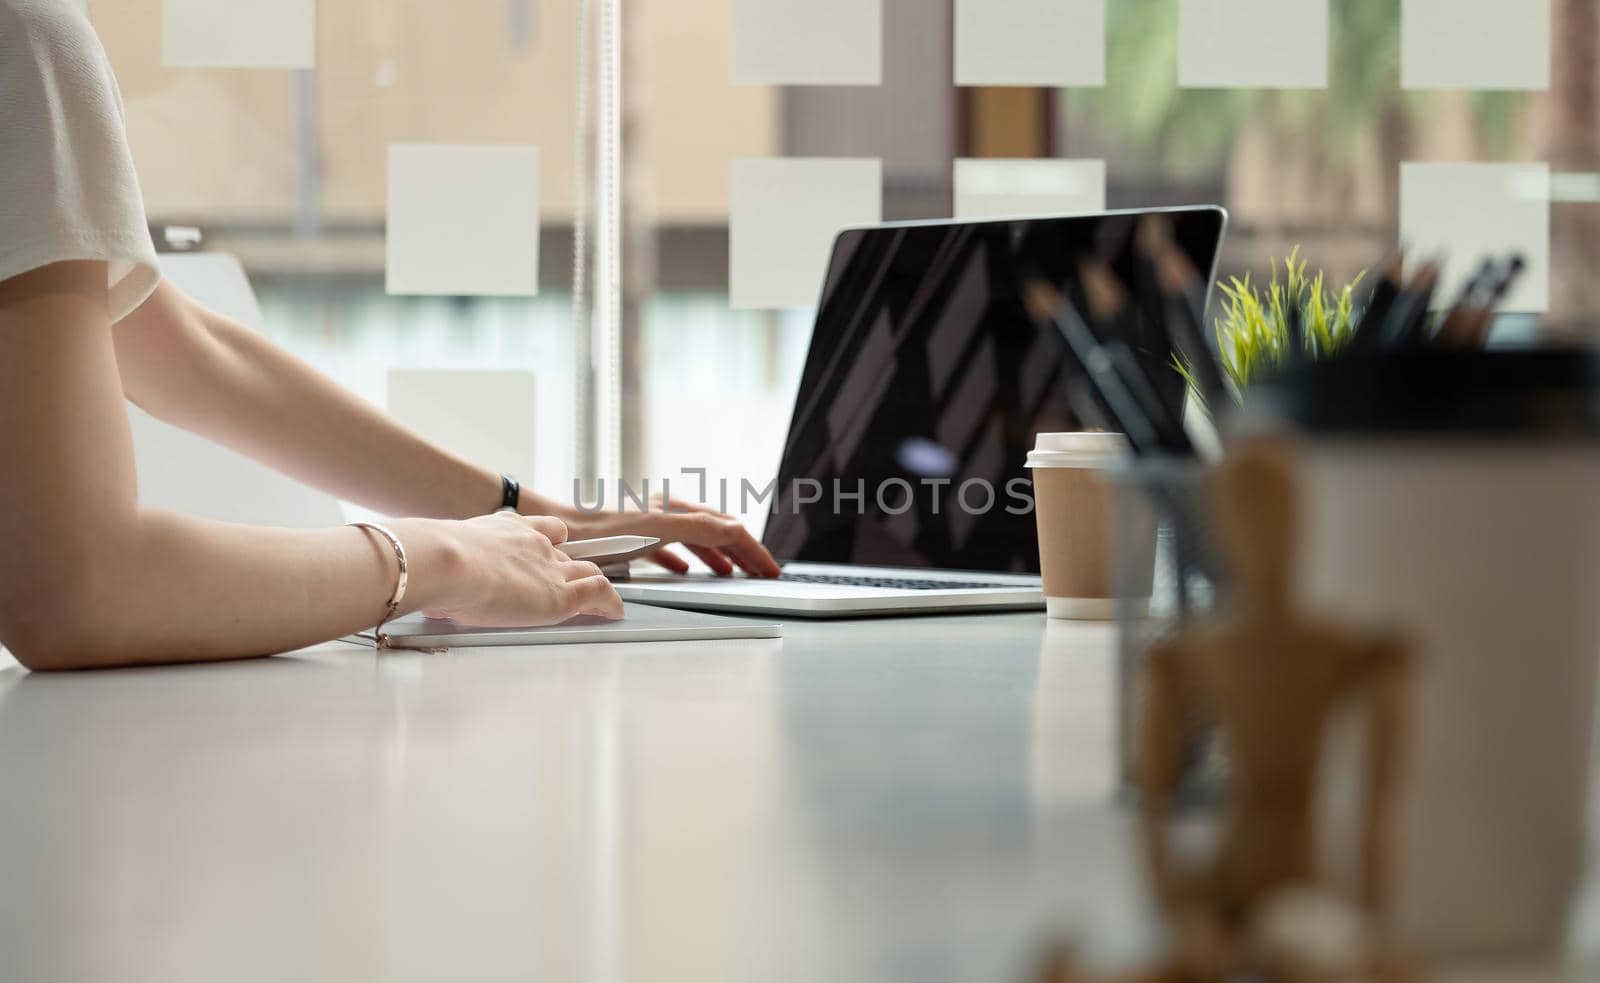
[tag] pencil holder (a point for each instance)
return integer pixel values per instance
(1160, 502)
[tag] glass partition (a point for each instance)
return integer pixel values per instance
(399, 179)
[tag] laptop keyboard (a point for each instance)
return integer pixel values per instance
(897, 583)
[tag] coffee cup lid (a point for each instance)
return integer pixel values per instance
(1077, 450)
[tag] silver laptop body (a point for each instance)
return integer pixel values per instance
(821, 590)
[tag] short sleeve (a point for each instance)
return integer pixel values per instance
(67, 185)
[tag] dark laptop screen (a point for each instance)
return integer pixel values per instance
(926, 382)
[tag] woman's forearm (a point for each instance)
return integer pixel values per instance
(88, 577)
(210, 375)
(170, 588)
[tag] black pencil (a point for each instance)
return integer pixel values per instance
(1403, 327)
(1476, 333)
(1368, 332)
(1455, 329)
(1168, 427)
(1049, 305)
(1185, 307)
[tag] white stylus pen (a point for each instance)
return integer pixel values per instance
(610, 548)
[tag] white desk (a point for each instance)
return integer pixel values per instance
(895, 799)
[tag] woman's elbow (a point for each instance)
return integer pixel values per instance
(56, 635)
(43, 654)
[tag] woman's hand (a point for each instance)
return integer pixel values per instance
(503, 570)
(720, 541)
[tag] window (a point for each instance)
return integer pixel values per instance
(1302, 116)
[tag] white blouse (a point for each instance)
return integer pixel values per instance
(67, 185)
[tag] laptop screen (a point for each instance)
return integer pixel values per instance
(927, 381)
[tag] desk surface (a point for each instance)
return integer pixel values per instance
(894, 799)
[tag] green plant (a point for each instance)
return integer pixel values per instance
(1253, 336)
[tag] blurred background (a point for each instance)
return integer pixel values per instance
(288, 170)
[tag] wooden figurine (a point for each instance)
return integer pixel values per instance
(1269, 677)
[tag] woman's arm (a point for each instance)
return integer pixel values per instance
(208, 374)
(89, 578)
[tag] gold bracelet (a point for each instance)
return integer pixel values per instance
(400, 585)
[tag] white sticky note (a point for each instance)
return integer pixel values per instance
(1264, 44)
(1575, 186)
(1031, 42)
(1054, 43)
(1465, 212)
(784, 214)
(239, 33)
(485, 416)
(1008, 188)
(807, 42)
(463, 219)
(1475, 44)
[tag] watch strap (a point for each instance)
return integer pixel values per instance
(510, 493)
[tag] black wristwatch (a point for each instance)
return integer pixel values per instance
(510, 493)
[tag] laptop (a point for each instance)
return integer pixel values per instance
(901, 488)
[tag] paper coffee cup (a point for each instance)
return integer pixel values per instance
(1072, 504)
(1486, 558)
(1449, 498)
